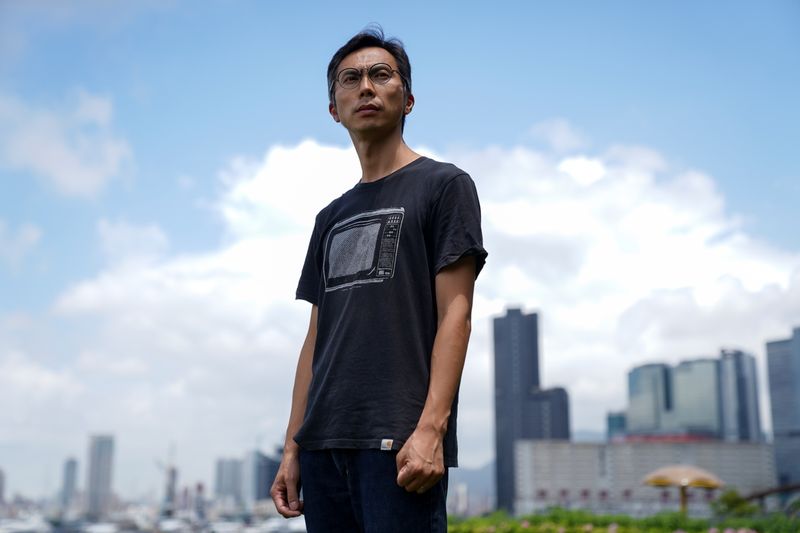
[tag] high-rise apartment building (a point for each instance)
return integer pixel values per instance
(170, 503)
(99, 476)
(783, 363)
(522, 409)
(741, 420)
(258, 473)
(228, 481)
(69, 482)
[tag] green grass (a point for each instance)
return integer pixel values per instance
(564, 521)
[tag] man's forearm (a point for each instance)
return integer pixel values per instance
(447, 364)
(454, 288)
(302, 380)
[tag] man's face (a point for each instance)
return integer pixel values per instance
(370, 107)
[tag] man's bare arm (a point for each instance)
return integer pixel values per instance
(420, 462)
(286, 487)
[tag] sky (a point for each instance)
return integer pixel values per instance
(161, 164)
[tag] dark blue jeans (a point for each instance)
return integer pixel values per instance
(356, 491)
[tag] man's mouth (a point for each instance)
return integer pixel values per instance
(367, 107)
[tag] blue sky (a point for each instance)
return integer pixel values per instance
(135, 141)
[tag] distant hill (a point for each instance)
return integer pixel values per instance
(588, 435)
(480, 486)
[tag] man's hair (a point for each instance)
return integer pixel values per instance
(369, 37)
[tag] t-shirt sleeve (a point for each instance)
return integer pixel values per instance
(308, 286)
(456, 224)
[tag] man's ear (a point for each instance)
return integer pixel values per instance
(333, 112)
(409, 104)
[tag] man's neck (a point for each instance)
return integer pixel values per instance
(381, 157)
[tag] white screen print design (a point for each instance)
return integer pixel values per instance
(363, 248)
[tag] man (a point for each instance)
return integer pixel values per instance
(390, 272)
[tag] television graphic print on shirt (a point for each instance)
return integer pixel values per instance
(362, 249)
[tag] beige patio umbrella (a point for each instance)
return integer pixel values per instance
(683, 477)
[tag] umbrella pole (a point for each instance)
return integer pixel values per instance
(683, 490)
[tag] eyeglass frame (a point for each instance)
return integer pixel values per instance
(366, 70)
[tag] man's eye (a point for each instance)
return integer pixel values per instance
(381, 75)
(348, 76)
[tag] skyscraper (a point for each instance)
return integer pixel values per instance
(99, 476)
(258, 473)
(783, 363)
(228, 481)
(741, 420)
(522, 409)
(616, 426)
(650, 401)
(69, 482)
(2, 486)
(170, 503)
(697, 399)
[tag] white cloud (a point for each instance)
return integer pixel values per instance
(125, 243)
(643, 264)
(559, 135)
(75, 151)
(15, 245)
(104, 363)
(284, 191)
(93, 109)
(583, 170)
(40, 396)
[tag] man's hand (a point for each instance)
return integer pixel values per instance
(286, 487)
(420, 462)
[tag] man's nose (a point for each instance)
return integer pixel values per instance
(365, 85)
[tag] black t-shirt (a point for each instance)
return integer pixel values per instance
(370, 269)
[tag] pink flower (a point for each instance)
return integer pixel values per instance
(525, 524)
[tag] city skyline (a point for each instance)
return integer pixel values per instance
(157, 193)
(232, 477)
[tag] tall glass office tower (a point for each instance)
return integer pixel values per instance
(783, 364)
(705, 398)
(698, 408)
(650, 401)
(522, 409)
(741, 420)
